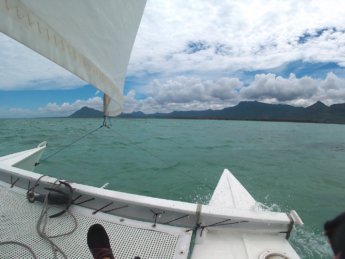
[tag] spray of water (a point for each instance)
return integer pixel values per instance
(308, 243)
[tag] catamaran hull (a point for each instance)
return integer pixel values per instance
(232, 225)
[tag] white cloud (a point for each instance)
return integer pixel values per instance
(209, 39)
(183, 93)
(190, 93)
(66, 109)
(17, 113)
(237, 35)
(269, 86)
(52, 109)
(295, 91)
(187, 89)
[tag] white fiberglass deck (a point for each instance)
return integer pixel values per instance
(128, 238)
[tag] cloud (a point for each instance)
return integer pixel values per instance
(66, 109)
(190, 93)
(185, 93)
(199, 53)
(178, 36)
(269, 86)
(295, 91)
(187, 89)
(204, 37)
(52, 109)
(17, 113)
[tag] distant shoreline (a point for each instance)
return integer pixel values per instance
(211, 119)
(244, 111)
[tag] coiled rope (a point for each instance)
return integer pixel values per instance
(41, 230)
(42, 224)
(19, 244)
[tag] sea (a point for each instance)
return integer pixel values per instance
(284, 165)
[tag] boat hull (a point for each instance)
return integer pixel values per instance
(232, 227)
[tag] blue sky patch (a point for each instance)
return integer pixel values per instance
(305, 37)
(196, 46)
(300, 69)
(28, 99)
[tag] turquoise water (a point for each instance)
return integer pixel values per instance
(283, 165)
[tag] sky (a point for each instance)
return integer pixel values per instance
(198, 55)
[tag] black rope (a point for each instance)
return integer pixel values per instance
(106, 123)
(75, 141)
(79, 203)
(225, 224)
(77, 198)
(184, 216)
(13, 183)
(156, 215)
(118, 208)
(100, 209)
(30, 194)
(36, 184)
(217, 224)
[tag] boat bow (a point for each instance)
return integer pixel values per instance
(27, 159)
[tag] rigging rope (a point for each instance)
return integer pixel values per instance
(107, 124)
(104, 124)
(19, 244)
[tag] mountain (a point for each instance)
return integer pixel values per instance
(318, 107)
(87, 112)
(338, 108)
(318, 113)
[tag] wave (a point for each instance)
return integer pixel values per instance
(308, 243)
(201, 199)
(213, 147)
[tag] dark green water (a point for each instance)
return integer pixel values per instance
(283, 165)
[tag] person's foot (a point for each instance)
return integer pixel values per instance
(98, 242)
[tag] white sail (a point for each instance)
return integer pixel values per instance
(92, 39)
